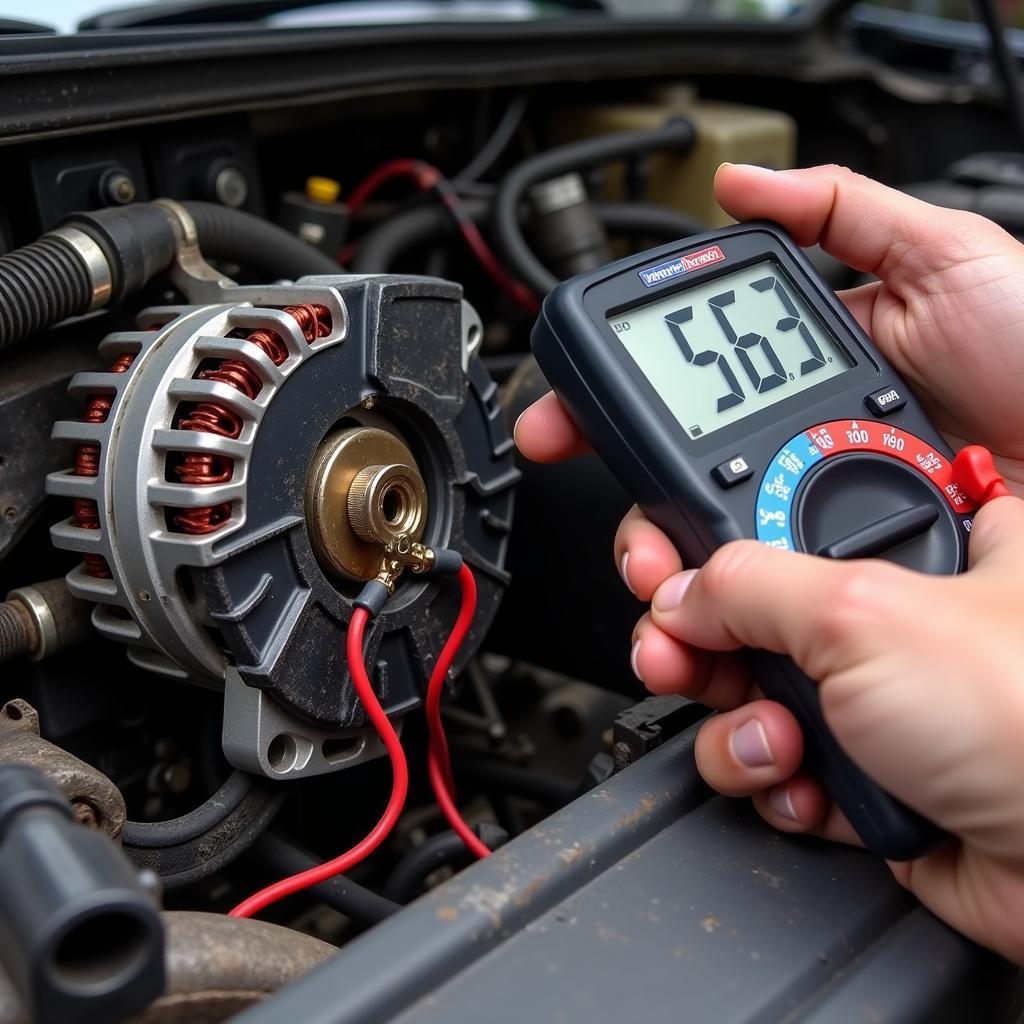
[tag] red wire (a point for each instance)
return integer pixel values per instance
(426, 177)
(399, 786)
(438, 762)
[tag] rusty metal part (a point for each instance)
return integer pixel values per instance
(54, 620)
(96, 801)
(16, 634)
(343, 459)
(216, 967)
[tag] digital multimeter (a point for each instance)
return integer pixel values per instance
(733, 395)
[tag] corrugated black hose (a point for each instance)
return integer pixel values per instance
(95, 259)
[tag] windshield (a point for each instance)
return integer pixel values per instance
(66, 15)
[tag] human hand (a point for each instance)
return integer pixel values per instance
(933, 718)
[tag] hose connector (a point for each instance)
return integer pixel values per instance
(80, 935)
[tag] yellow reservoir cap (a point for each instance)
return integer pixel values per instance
(322, 190)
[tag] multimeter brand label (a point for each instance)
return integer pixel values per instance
(681, 265)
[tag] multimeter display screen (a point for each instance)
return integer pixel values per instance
(730, 347)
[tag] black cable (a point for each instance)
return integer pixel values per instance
(350, 898)
(155, 835)
(445, 849)
(677, 134)
(1005, 62)
(647, 220)
(195, 859)
(509, 778)
(380, 248)
(492, 149)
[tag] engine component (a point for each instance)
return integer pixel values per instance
(188, 849)
(216, 967)
(566, 230)
(284, 858)
(80, 935)
(722, 132)
(315, 215)
(95, 800)
(235, 469)
(39, 621)
(675, 134)
(33, 394)
(96, 259)
(379, 248)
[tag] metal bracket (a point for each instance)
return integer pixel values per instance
(190, 273)
(261, 737)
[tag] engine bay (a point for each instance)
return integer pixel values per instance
(265, 307)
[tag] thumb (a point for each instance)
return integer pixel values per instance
(750, 595)
(997, 535)
(859, 221)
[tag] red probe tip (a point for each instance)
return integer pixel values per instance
(975, 471)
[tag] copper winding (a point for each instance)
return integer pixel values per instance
(206, 468)
(87, 463)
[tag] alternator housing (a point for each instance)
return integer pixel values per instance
(250, 603)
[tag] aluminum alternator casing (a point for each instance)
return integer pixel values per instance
(249, 605)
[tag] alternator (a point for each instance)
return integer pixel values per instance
(230, 474)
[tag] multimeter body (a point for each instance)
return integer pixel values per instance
(734, 396)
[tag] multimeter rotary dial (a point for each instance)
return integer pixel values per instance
(863, 489)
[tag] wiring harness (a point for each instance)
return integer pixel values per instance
(368, 605)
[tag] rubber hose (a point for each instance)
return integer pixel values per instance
(15, 639)
(41, 284)
(256, 244)
(516, 781)
(47, 281)
(192, 861)
(341, 893)
(378, 249)
(155, 835)
(677, 134)
(445, 849)
(647, 220)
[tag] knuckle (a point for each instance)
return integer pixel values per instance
(730, 567)
(858, 601)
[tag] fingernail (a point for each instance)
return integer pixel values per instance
(781, 802)
(624, 573)
(750, 745)
(515, 428)
(670, 593)
(632, 660)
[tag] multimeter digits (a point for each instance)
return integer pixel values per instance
(734, 396)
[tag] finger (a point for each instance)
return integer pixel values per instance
(861, 303)
(859, 221)
(972, 898)
(664, 665)
(546, 433)
(644, 555)
(751, 748)
(817, 611)
(800, 805)
(997, 535)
